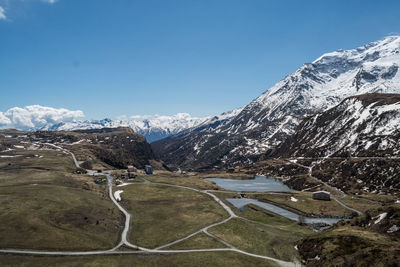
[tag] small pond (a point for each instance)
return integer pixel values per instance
(265, 184)
(241, 202)
(258, 184)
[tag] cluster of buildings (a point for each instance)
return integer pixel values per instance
(132, 171)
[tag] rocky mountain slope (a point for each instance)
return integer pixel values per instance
(151, 127)
(360, 126)
(271, 118)
(352, 146)
(186, 149)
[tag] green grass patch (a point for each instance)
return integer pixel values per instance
(305, 203)
(367, 201)
(34, 167)
(261, 238)
(185, 259)
(170, 178)
(193, 179)
(43, 205)
(162, 214)
(198, 241)
(260, 215)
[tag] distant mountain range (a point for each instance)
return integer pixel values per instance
(257, 129)
(267, 126)
(152, 127)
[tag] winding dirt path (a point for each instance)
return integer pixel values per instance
(140, 250)
(309, 168)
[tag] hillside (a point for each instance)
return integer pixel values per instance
(272, 117)
(116, 147)
(352, 146)
(369, 240)
(360, 126)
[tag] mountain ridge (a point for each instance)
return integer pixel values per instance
(272, 117)
(365, 125)
(152, 127)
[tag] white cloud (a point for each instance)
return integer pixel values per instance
(36, 117)
(3, 119)
(142, 117)
(2, 13)
(50, 1)
(178, 116)
(173, 123)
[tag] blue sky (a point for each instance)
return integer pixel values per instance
(126, 57)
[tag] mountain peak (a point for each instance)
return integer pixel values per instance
(387, 46)
(274, 116)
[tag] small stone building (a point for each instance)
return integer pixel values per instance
(148, 169)
(321, 195)
(131, 171)
(131, 175)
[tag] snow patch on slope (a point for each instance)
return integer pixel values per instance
(380, 217)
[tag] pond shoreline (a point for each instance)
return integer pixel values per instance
(263, 184)
(317, 223)
(302, 213)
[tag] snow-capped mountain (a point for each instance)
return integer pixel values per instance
(354, 144)
(363, 125)
(193, 140)
(272, 117)
(152, 127)
(210, 124)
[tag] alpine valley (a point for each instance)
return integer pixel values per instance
(307, 174)
(193, 133)
(247, 134)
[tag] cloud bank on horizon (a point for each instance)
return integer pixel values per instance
(36, 117)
